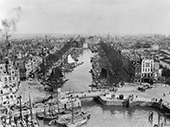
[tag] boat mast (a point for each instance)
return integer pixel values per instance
(58, 102)
(10, 116)
(72, 104)
(30, 110)
(20, 107)
(50, 105)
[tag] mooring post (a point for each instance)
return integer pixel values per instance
(158, 119)
(165, 119)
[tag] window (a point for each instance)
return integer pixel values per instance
(1, 91)
(147, 64)
(9, 79)
(148, 69)
(5, 78)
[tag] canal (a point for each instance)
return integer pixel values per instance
(102, 116)
(80, 78)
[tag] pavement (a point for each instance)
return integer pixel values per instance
(156, 92)
(32, 88)
(36, 91)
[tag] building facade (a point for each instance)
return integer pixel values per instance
(147, 67)
(32, 64)
(147, 70)
(9, 83)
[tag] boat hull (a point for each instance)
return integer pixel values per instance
(77, 124)
(64, 120)
(42, 116)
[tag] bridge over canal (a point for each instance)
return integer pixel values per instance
(84, 94)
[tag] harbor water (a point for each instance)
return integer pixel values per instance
(103, 116)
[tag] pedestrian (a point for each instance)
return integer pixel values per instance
(151, 116)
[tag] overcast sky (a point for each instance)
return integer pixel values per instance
(90, 16)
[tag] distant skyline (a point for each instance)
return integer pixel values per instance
(89, 16)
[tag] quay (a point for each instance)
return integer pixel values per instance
(157, 97)
(150, 98)
(125, 94)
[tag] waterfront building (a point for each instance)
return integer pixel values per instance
(31, 64)
(137, 72)
(156, 69)
(20, 63)
(147, 69)
(28, 66)
(9, 82)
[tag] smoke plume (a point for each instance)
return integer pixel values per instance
(10, 23)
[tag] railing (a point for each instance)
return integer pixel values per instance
(167, 105)
(144, 99)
